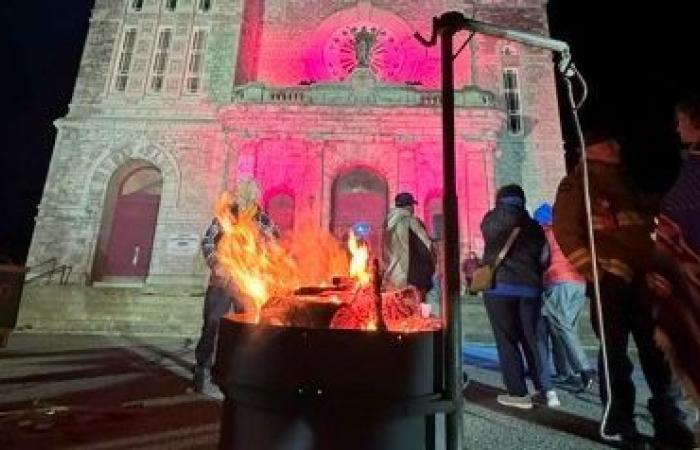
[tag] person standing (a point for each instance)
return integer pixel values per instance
(220, 297)
(564, 299)
(678, 241)
(623, 221)
(514, 303)
(409, 256)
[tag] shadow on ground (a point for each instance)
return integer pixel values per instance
(103, 398)
(484, 395)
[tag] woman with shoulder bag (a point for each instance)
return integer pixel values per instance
(515, 257)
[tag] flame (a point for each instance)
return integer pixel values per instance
(260, 267)
(358, 263)
(256, 264)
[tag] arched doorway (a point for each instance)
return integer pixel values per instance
(360, 201)
(129, 223)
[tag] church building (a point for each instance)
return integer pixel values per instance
(332, 106)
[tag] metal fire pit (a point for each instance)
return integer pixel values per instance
(313, 388)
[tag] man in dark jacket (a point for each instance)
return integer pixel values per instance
(514, 304)
(623, 221)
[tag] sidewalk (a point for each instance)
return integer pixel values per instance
(131, 393)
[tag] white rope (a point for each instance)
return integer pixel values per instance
(591, 239)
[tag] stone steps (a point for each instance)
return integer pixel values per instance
(138, 311)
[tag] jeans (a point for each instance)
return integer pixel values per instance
(544, 339)
(515, 322)
(217, 303)
(563, 303)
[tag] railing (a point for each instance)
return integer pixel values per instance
(64, 270)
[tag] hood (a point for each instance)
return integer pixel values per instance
(395, 216)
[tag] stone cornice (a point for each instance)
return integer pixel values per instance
(361, 89)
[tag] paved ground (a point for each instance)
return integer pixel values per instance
(131, 393)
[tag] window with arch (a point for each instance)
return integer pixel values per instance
(195, 61)
(136, 5)
(125, 56)
(160, 59)
(511, 92)
(170, 5)
(280, 207)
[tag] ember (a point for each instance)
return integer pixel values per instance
(286, 282)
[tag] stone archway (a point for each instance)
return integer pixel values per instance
(128, 224)
(360, 201)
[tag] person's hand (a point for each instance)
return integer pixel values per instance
(659, 285)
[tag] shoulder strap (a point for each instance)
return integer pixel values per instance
(509, 243)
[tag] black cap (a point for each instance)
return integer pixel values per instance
(404, 199)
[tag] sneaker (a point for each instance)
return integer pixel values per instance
(552, 399)
(549, 398)
(514, 401)
(622, 435)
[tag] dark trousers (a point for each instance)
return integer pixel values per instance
(217, 303)
(627, 311)
(515, 322)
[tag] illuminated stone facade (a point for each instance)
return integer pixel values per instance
(331, 105)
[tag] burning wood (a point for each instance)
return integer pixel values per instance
(284, 282)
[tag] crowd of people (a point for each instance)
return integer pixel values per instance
(645, 263)
(647, 272)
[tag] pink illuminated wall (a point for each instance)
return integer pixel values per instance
(285, 158)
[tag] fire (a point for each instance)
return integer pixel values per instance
(358, 263)
(260, 267)
(257, 265)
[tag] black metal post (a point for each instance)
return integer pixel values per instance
(446, 26)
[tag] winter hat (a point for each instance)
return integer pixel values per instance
(543, 214)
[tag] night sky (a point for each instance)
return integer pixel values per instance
(638, 61)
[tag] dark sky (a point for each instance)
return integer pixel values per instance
(638, 61)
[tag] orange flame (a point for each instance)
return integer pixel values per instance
(260, 267)
(358, 263)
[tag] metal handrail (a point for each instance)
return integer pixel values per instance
(53, 261)
(64, 269)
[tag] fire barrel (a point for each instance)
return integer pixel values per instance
(293, 388)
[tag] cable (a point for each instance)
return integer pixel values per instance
(575, 106)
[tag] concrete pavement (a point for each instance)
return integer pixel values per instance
(101, 392)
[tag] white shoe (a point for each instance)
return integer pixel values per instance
(552, 399)
(549, 399)
(524, 402)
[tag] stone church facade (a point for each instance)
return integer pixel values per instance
(331, 105)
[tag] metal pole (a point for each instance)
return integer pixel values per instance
(446, 26)
(453, 345)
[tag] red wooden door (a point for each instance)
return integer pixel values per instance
(131, 239)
